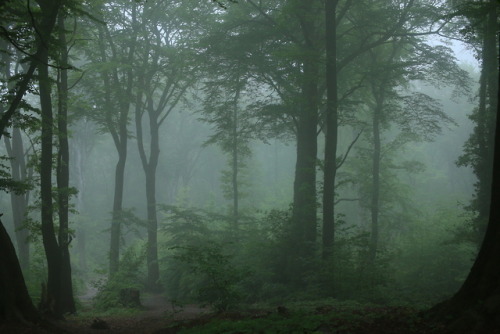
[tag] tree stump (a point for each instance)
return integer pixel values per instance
(130, 297)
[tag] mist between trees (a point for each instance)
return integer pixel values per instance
(232, 153)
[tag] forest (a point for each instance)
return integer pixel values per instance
(249, 166)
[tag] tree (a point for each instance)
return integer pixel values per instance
(394, 67)
(227, 90)
(232, 131)
(476, 305)
(20, 172)
(117, 78)
(478, 150)
(331, 127)
(163, 73)
(62, 171)
(15, 302)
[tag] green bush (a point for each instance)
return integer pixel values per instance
(128, 277)
(217, 278)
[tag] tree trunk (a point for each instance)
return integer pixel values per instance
(152, 259)
(476, 305)
(235, 156)
(375, 200)
(331, 129)
(48, 234)
(118, 131)
(149, 167)
(66, 287)
(304, 189)
(19, 202)
(80, 153)
(50, 8)
(152, 247)
(15, 302)
(114, 245)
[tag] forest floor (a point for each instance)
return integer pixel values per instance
(159, 316)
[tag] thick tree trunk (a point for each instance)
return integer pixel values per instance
(66, 288)
(51, 247)
(304, 217)
(331, 129)
(485, 120)
(19, 202)
(475, 308)
(15, 302)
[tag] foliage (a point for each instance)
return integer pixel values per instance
(217, 276)
(199, 265)
(325, 318)
(431, 265)
(128, 276)
(7, 184)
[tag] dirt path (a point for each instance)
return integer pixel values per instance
(158, 313)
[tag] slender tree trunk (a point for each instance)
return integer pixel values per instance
(114, 246)
(235, 156)
(152, 247)
(150, 171)
(375, 200)
(79, 155)
(149, 166)
(331, 128)
(66, 288)
(119, 132)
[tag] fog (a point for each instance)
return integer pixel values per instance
(201, 133)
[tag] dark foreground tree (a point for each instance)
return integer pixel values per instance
(475, 308)
(15, 303)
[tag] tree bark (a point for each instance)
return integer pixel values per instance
(235, 156)
(150, 171)
(66, 287)
(119, 132)
(15, 302)
(149, 167)
(304, 217)
(375, 195)
(50, 8)
(331, 129)
(48, 233)
(476, 305)
(19, 202)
